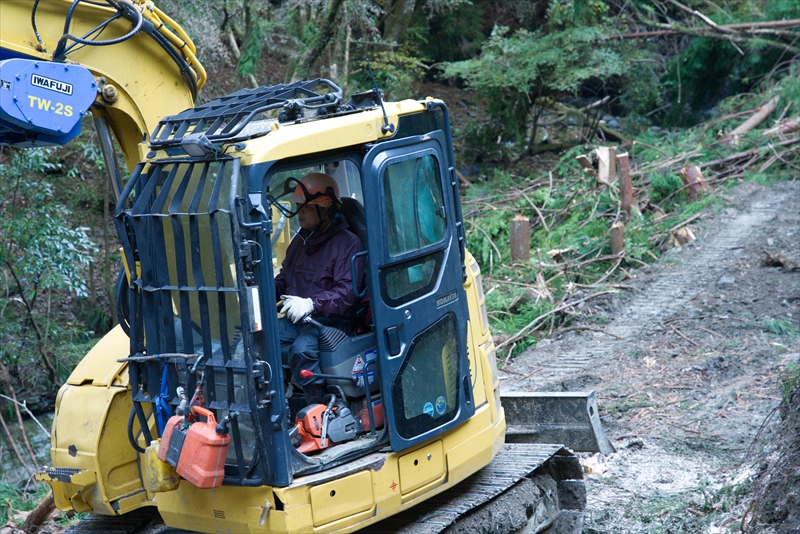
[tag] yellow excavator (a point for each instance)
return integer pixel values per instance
(184, 418)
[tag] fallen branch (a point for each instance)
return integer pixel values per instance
(752, 152)
(463, 179)
(530, 325)
(38, 515)
(681, 334)
(30, 413)
(755, 119)
(14, 445)
(539, 213)
(499, 256)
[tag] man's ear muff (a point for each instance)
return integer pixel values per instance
(335, 214)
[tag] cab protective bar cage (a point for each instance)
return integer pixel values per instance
(226, 117)
(167, 214)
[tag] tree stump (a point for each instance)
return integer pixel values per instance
(520, 239)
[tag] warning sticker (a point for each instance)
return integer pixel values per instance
(359, 365)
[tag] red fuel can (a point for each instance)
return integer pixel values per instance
(171, 441)
(202, 459)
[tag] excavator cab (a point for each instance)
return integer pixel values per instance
(198, 220)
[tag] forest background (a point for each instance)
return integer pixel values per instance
(534, 87)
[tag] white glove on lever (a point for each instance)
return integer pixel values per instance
(296, 308)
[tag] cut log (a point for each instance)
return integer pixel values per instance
(617, 234)
(606, 164)
(786, 126)
(520, 239)
(755, 119)
(38, 515)
(625, 185)
(693, 178)
(680, 237)
(586, 164)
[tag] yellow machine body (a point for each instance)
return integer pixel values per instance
(103, 474)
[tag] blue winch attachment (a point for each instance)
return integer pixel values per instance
(42, 103)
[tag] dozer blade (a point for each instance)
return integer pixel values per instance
(570, 418)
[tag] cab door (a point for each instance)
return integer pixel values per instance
(418, 301)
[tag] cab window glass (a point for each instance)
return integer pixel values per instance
(425, 392)
(414, 205)
(408, 280)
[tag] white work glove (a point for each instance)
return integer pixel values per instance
(296, 308)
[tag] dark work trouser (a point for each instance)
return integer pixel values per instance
(302, 341)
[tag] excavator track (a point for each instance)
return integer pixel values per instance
(538, 488)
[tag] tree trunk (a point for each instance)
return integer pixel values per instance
(617, 234)
(315, 50)
(399, 13)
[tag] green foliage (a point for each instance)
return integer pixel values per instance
(733, 68)
(452, 34)
(14, 499)
(664, 185)
(514, 71)
(780, 327)
(788, 382)
(566, 13)
(41, 248)
(252, 49)
(488, 241)
(395, 73)
(42, 255)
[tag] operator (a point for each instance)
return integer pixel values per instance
(316, 278)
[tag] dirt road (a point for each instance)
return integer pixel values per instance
(686, 360)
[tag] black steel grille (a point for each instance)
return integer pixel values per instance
(188, 302)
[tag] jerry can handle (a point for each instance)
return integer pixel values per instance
(208, 414)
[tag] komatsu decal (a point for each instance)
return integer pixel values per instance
(53, 85)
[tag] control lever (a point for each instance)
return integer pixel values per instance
(327, 414)
(329, 337)
(305, 373)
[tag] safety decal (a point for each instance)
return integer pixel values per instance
(441, 405)
(360, 379)
(428, 409)
(359, 365)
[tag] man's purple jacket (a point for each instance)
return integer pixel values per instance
(317, 266)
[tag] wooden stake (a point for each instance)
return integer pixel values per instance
(520, 239)
(625, 185)
(617, 234)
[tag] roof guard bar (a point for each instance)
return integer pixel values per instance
(224, 118)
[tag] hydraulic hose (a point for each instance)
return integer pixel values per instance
(126, 8)
(131, 437)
